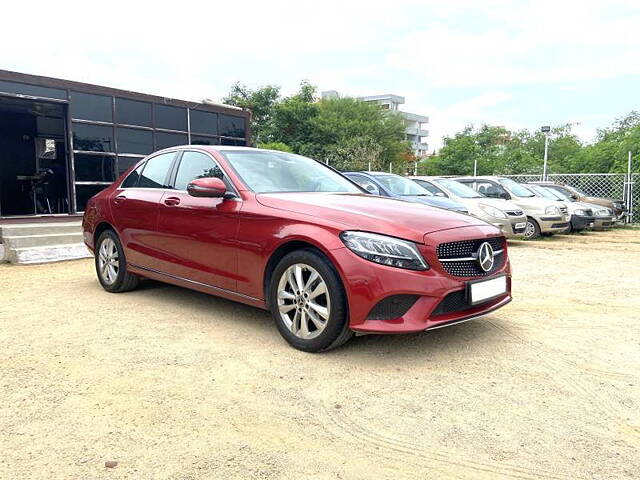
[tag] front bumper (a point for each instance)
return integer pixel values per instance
(508, 226)
(603, 223)
(553, 224)
(580, 222)
(367, 283)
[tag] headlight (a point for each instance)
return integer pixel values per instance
(602, 212)
(581, 212)
(492, 211)
(552, 211)
(384, 250)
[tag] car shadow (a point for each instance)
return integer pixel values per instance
(450, 341)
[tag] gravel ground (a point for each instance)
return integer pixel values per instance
(171, 383)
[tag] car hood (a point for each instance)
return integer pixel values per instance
(533, 203)
(370, 213)
(436, 202)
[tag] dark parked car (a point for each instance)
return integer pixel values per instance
(287, 233)
(395, 186)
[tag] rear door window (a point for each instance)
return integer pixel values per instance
(155, 172)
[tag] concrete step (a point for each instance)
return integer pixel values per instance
(26, 229)
(42, 240)
(49, 253)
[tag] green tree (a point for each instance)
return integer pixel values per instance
(260, 102)
(283, 147)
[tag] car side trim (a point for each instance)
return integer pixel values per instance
(193, 282)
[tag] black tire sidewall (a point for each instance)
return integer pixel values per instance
(338, 318)
(122, 270)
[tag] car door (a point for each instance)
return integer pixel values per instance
(198, 234)
(134, 207)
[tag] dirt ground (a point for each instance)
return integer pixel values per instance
(172, 383)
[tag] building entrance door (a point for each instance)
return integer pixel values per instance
(34, 169)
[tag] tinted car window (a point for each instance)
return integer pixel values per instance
(155, 171)
(195, 165)
(132, 178)
(402, 186)
(432, 188)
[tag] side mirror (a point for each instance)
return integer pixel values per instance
(371, 189)
(207, 187)
(574, 196)
(505, 195)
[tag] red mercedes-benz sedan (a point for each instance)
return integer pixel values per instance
(286, 233)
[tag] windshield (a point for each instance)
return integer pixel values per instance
(544, 192)
(402, 186)
(561, 192)
(579, 192)
(265, 171)
(458, 189)
(515, 188)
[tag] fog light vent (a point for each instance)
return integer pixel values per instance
(391, 307)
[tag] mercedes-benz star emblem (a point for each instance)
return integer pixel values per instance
(485, 257)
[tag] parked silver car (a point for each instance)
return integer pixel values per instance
(505, 215)
(581, 214)
(543, 216)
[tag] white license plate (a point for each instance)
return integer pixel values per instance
(521, 225)
(487, 289)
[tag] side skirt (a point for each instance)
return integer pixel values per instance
(198, 286)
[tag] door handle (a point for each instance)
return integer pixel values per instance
(172, 201)
(119, 199)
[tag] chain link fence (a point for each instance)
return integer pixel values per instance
(618, 186)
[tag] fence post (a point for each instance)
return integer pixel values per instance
(390, 167)
(629, 191)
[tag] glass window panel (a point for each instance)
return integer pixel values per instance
(94, 138)
(86, 106)
(133, 112)
(204, 122)
(195, 165)
(232, 126)
(84, 193)
(94, 168)
(155, 171)
(32, 90)
(132, 178)
(131, 140)
(232, 141)
(172, 118)
(197, 140)
(166, 140)
(125, 163)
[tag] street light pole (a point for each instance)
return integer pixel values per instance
(545, 130)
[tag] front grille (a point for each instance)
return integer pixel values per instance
(458, 258)
(514, 213)
(392, 307)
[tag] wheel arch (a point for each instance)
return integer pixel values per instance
(102, 227)
(286, 248)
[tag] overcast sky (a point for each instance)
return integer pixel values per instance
(512, 63)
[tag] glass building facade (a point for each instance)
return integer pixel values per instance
(109, 130)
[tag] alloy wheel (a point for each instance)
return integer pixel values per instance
(303, 301)
(529, 230)
(108, 261)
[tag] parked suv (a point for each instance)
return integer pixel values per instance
(395, 186)
(617, 207)
(288, 234)
(505, 215)
(581, 213)
(543, 216)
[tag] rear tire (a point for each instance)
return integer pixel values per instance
(532, 230)
(111, 264)
(308, 302)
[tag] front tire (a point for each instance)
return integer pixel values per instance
(532, 230)
(308, 302)
(111, 265)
